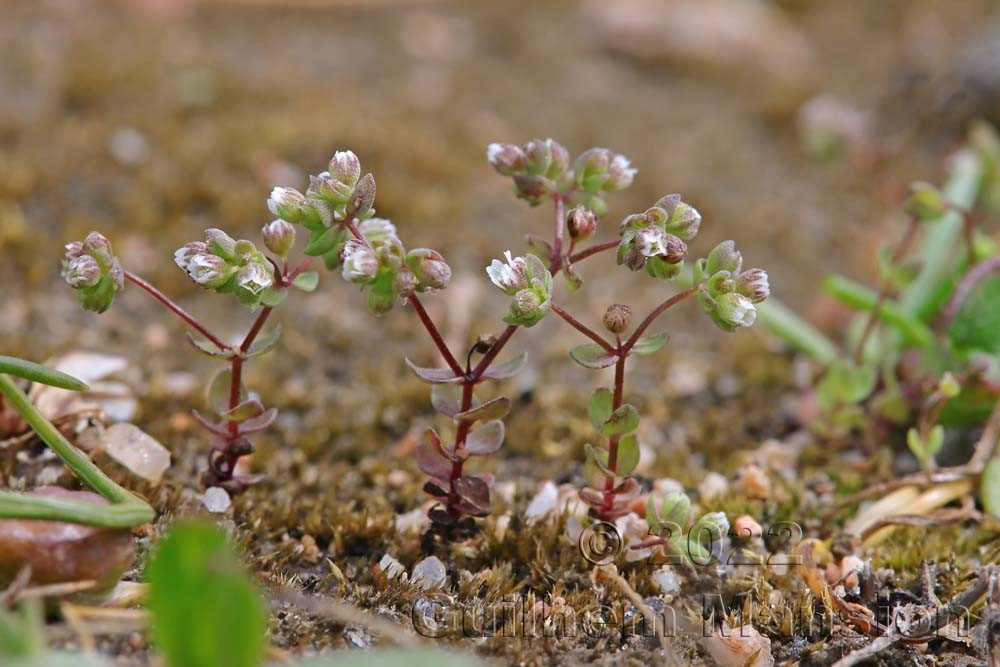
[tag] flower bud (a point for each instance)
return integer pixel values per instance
(363, 198)
(675, 250)
(286, 203)
(651, 241)
(926, 202)
(753, 284)
(617, 318)
(406, 282)
(73, 250)
(634, 259)
(505, 158)
(324, 186)
(537, 156)
(668, 203)
(220, 243)
(429, 267)
(184, 254)
(279, 236)
(345, 167)
(255, 278)
(526, 304)
(378, 230)
(208, 270)
(721, 283)
(99, 247)
(620, 173)
(82, 271)
(949, 386)
(684, 221)
(360, 265)
(734, 310)
(582, 223)
(560, 160)
(530, 187)
(724, 257)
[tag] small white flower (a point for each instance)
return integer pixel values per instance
(736, 310)
(82, 271)
(509, 277)
(254, 278)
(651, 241)
(360, 263)
(208, 270)
(184, 254)
(620, 173)
(286, 203)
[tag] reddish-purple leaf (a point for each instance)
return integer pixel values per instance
(433, 375)
(210, 348)
(486, 439)
(440, 515)
(447, 399)
(431, 458)
(507, 369)
(592, 496)
(488, 478)
(432, 489)
(495, 409)
(474, 496)
(627, 490)
(215, 427)
(259, 423)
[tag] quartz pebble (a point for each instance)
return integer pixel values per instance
(136, 450)
(59, 551)
(429, 573)
(391, 567)
(216, 500)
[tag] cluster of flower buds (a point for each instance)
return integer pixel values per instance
(380, 262)
(529, 282)
(656, 239)
(225, 265)
(542, 168)
(91, 268)
(333, 198)
(726, 292)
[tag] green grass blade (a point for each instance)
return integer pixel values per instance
(38, 373)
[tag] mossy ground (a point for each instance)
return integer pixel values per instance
(230, 100)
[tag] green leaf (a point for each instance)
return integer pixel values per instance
(495, 409)
(325, 241)
(628, 455)
(989, 487)
(271, 297)
(977, 324)
(486, 439)
(845, 384)
(306, 281)
(935, 439)
(206, 610)
(38, 373)
(593, 355)
(623, 420)
(597, 457)
(218, 391)
(244, 411)
(210, 348)
(652, 516)
(650, 344)
(599, 409)
(507, 369)
(264, 344)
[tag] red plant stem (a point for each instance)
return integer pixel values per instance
(236, 377)
(435, 335)
(556, 260)
(177, 310)
(883, 292)
(659, 310)
(583, 328)
(616, 402)
(592, 250)
(291, 276)
(461, 434)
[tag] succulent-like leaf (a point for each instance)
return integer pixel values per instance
(650, 344)
(306, 281)
(264, 344)
(507, 369)
(447, 399)
(623, 420)
(432, 489)
(431, 458)
(495, 409)
(210, 348)
(592, 355)
(628, 455)
(592, 496)
(259, 423)
(38, 373)
(598, 458)
(324, 242)
(214, 427)
(486, 439)
(599, 409)
(218, 391)
(246, 410)
(474, 495)
(989, 487)
(433, 375)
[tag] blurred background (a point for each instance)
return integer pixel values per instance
(792, 125)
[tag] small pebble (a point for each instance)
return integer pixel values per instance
(216, 500)
(137, 451)
(429, 573)
(746, 527)
(391, 567)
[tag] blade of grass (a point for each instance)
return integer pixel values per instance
(796, 331)
(859, 297)
(38, 373)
